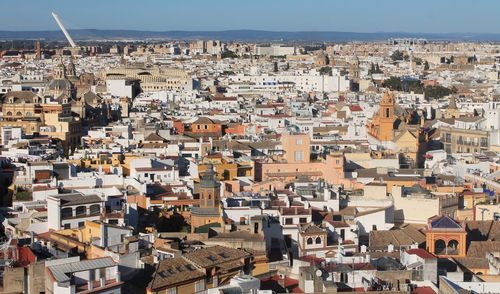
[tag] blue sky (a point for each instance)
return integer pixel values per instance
(429, 16)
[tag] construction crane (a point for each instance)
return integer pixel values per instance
(63, 29)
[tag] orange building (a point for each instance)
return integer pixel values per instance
(445, 237)
(382, 125)
(206, 126)
(296, 162)
(178, 126)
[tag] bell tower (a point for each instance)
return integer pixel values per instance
(387, 117)
(60, 71)
(208, 212)
(209, 189)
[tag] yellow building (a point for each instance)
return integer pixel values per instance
(63, 126)
(22, 109)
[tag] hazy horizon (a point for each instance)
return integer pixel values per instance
(359, 16)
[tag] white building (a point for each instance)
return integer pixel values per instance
(72, 275)
(70, 211)
(123, 87)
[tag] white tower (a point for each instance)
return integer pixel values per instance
(63, 29)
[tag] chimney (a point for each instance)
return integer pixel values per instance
(281, 281)
(390, 248)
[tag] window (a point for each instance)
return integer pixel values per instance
(199, 286)
(81, 224)
(299, 142)
(81, 210)
(298, 156)
(172, 291)
(67, 226)
(303, 220)
(387, 112)
(66, 212)
(288, 221)
(309, 241)
(95, 209)
(318, 240)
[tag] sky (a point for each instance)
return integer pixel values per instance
(417, 16)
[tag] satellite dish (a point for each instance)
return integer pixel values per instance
(319, 273)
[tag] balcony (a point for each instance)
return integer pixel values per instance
(67, 217)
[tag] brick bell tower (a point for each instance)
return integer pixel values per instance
(387, 117)
(208, 212)
(209, 189)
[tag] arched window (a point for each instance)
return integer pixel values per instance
(81, 210)
(439, 247)
(19, 113)
(309, 241)
(9, 113)
(29, 114)
(318, 240)
(95, 209)
(452, 247)
(387, 112)
(66, 212)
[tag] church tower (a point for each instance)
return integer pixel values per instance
(354, 69)
(208, 212)
(60, 71)
(386, 117)
(71, 70)
(209, 189)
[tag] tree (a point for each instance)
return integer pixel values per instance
(397, 55)
(393, 83)
(228, 54)
(325, 71)
(374, 69)
(436, 92)
(426, 65)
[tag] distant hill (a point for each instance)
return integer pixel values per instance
(241, 35)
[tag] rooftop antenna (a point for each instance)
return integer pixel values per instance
(63, 29)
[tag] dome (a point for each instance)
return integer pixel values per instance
(60, 84)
